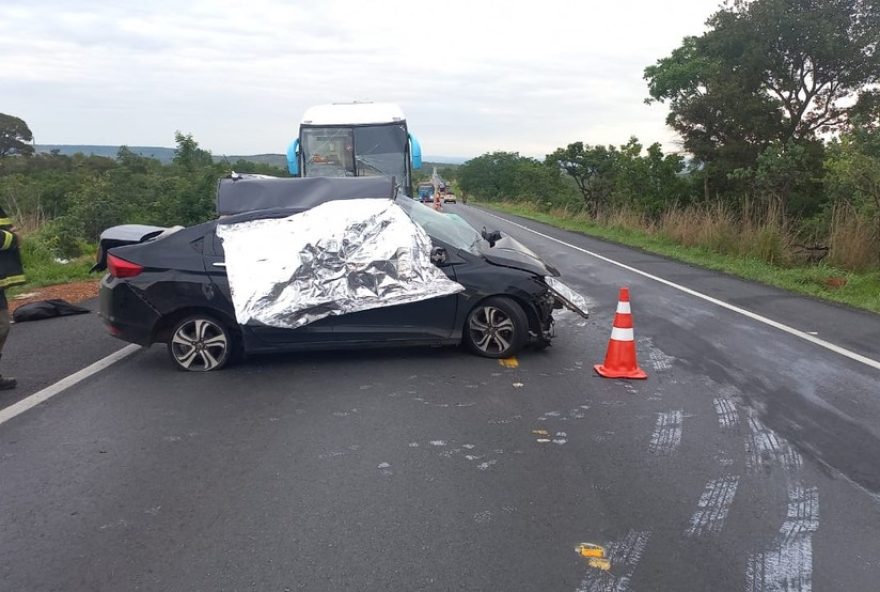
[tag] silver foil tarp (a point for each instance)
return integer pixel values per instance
(336, 258)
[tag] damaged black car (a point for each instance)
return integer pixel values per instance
(307, 264)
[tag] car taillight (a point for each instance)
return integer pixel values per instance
(120, 268)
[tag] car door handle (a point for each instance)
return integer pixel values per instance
(219, 264)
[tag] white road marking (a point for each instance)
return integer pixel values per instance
(806, 336)
(65, 383)
(667, 433)
(624, 556)
(765, 448)
(727, 415)
(713, 506)
(788, 565)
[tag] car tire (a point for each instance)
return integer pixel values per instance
(496, 328)
(201, 343)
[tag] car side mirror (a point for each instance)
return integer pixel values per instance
(439, 256)
(491, 237)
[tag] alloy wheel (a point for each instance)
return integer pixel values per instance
(199, 345)
(492, 330)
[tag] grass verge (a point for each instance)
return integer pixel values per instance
(42, 268)
(860, 290)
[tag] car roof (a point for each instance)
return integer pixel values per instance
(241, 194)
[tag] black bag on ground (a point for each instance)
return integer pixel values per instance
(46, 309)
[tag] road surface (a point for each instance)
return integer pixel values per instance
(749, 459)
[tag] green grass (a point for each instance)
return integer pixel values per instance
(862, 290)
(42, 269)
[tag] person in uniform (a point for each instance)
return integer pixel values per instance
(11, 274)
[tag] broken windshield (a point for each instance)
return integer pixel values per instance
(362, 151)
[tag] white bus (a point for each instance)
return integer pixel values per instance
(355, 140)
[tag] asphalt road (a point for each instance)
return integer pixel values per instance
(747, 461)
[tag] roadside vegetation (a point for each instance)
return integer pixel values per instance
(60, 204)
(778, 110)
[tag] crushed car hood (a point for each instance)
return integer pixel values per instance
(509, 252)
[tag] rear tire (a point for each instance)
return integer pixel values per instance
(496, 328)
(201, 343)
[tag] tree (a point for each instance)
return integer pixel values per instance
(591, 168)
(188, 155)
(651, 182)
(769, 71)
(14, 136)
(854, 174)
(490, 176)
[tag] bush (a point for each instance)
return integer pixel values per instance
(59, 238)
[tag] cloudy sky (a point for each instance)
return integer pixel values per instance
(472, 76)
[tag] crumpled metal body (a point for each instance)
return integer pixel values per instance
(568, 297)
(336, 258)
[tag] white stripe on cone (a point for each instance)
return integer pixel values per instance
(623, 308)
(618, 334)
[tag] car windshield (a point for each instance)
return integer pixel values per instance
(449, 228)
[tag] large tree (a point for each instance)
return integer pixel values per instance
(15, 136)
(591, 168)
(769, 71)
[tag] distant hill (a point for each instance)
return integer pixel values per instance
(159, 153)
(166, 155)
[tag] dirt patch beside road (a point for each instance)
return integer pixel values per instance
(72, 292)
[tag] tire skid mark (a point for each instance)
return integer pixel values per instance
(727, 416)
(667, 433)
(765, 449)
(660, 361)
(624, 556)
(788, 564)
(713, 506)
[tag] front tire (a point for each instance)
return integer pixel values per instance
(496, 328)
(201, 343)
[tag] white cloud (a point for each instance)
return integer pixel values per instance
(471, 76)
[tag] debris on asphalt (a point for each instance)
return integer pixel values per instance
(511, 362)
(599, 563)
(590, 550)
(595, 554)
(518, 385)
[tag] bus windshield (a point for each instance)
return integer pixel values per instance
(358, 151)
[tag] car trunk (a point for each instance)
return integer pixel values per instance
(126, 234)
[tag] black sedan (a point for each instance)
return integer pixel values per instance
(170, 286)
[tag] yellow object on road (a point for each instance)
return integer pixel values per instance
(590, 550)
(511, 362)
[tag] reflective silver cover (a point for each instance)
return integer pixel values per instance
(568, 297)
(339, 257)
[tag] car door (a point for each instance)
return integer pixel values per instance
(429, 320)
(215, 265)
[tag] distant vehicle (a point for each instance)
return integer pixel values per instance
(355, 140)
(449, 197)
(170, 286)
(426, 192)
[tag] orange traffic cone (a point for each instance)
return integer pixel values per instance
(620, 361)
